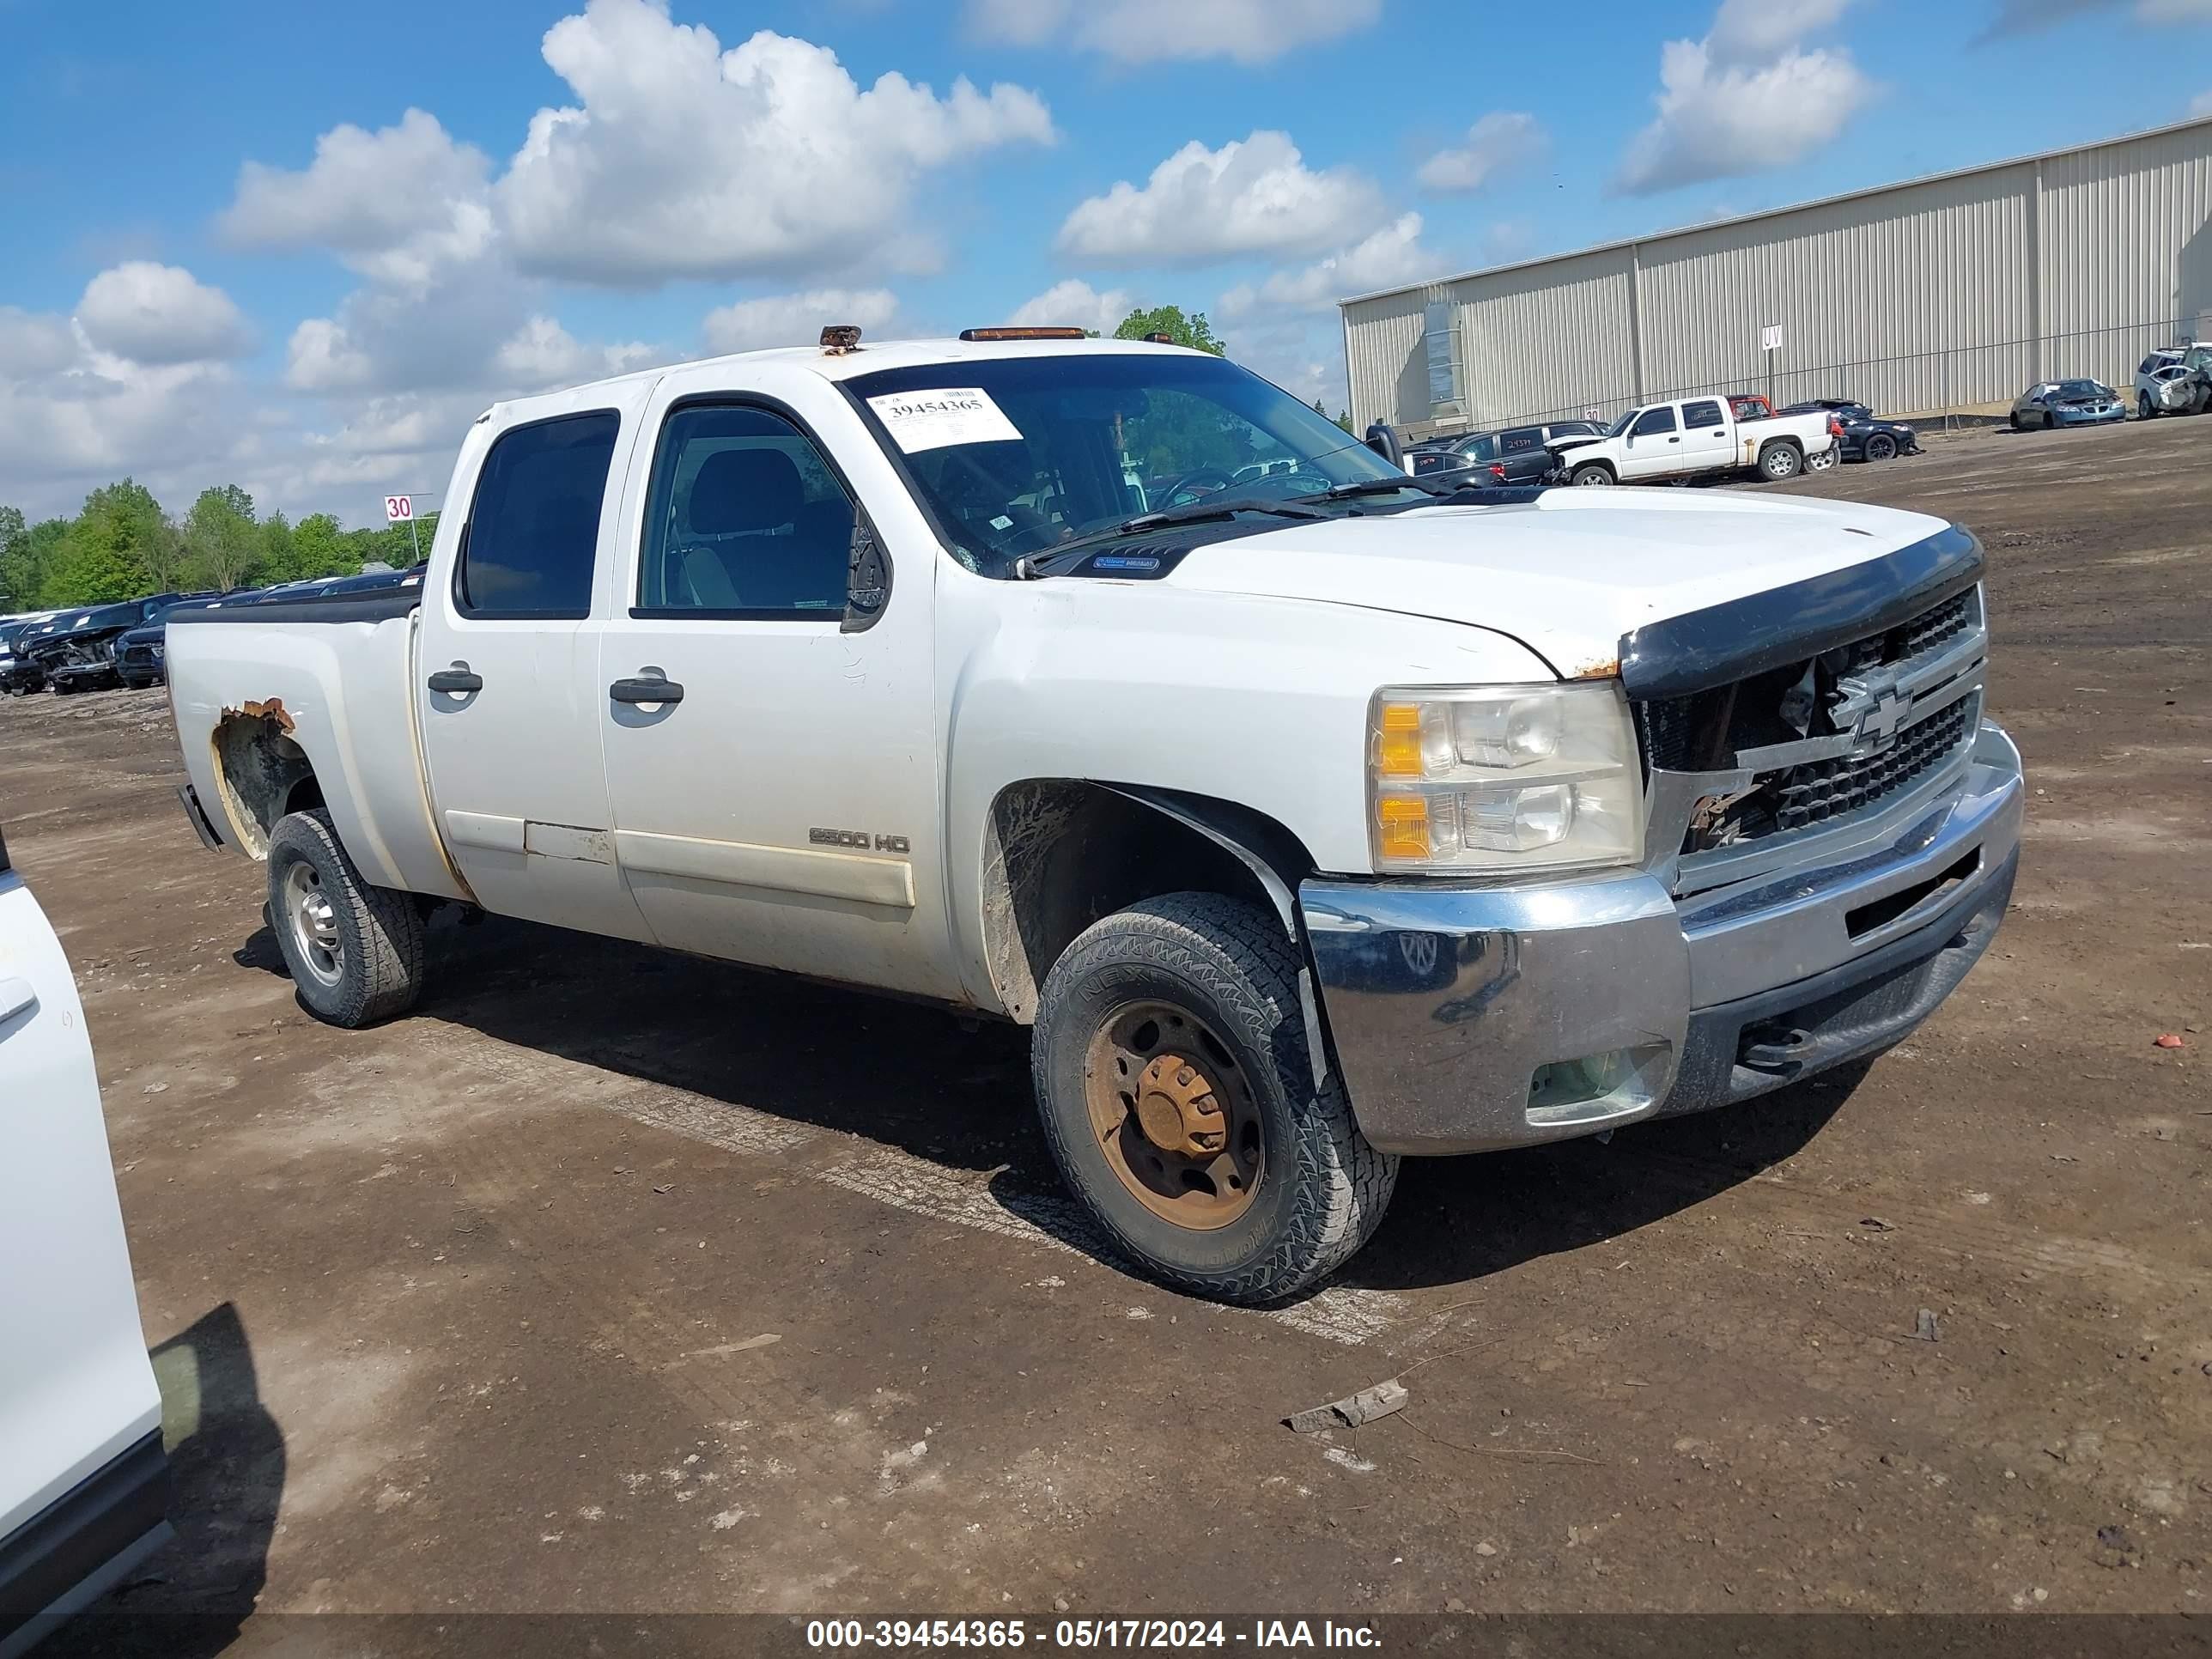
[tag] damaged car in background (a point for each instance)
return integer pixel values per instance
(81, 650)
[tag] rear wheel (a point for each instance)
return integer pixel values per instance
(354, 950)
(1178, 1100)
(1780, 460)
(2144, 408)
(1592, 475)
(1881, 447)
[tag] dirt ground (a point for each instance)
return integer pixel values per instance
(617, 1282)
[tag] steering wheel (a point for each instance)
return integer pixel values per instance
(1195, 480)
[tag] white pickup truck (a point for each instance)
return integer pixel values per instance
(1698, 437)
(1312, 820)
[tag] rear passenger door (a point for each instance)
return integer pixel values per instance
(1707, 440)
(507, 668)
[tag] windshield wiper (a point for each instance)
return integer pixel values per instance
(1344, 492)
(1049, 562)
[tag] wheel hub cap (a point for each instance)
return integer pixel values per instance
(1177, 1109)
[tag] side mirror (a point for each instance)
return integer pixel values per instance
(1383, 439)
(867, 577)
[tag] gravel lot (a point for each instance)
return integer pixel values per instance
(614, 1281)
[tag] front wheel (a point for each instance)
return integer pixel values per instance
(1588, 477)
(354, 950)
(2143, 408)
(2050, 421)
(1779, 461)
(1178, 1099)
(1881, 447)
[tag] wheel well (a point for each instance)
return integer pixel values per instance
(1059, 853)
(1786, 443)
(1575, 466)
(260, 772)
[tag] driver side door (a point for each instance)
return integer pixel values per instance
(773, 766)
(1654, 445)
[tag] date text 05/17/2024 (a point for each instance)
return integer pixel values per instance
(880, 1634)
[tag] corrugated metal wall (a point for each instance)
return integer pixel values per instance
(1924, 297)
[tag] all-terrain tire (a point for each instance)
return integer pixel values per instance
(380, 930)
(1779, 461)
(1591, 475)
(1323, 1188)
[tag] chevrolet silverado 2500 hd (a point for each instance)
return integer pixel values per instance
(1316, 819)
(1697, 437)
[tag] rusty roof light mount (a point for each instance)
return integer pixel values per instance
(840, 339)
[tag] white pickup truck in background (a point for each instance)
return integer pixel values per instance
(1698, 437)
(1313, 815)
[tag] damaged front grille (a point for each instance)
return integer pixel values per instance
(1817, 741)
(1821, 790)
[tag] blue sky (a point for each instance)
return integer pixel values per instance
(238, 256)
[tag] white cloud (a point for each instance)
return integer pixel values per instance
(322, 357)
(153, 313)
(789, 320)
(2201, 104)
(33, 342)
(1075, 304)
(542, 353)
(1148, 31)
(73, 416)
(1746, 98)
(1254, 195)
(1392, 255)
(1497, 141)
(682, 160)
(399, 204)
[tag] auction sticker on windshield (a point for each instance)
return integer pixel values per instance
(942, 416)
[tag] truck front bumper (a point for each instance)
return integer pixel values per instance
(1467, 1018)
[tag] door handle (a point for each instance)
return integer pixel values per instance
(645, 691)
(455, 680)
(16, 995)
(1676, 439)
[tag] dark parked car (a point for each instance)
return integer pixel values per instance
(1866, 436)
(2050, 403)
(77, 650)
(141, 657)
(17, 675)
(1516, 455)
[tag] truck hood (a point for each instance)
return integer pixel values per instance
(1567, 574)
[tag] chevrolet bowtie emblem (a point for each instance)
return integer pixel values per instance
(1871, 711)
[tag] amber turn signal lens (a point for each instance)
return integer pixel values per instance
(1398, 742)
(1402, 826)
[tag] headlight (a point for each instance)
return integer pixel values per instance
(1502, 778)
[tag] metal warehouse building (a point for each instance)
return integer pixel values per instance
(1949, 293)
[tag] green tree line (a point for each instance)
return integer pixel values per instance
(124, 545)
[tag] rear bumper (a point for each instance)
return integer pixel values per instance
(1472, 1019)
(83, 1543)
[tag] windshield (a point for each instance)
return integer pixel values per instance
(1018, 455)
(2083, 389)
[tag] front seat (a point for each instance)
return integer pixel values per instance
(754, 542)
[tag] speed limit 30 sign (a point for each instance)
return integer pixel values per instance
(398, 509)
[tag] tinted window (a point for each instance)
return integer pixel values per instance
(1655, 420)
(1483, 448)
(1520, 440)
(1700, 415)
(534, 526)
(743, 518)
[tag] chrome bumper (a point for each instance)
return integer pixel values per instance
(1470, 1018)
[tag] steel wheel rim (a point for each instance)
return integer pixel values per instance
(314, 924)
(1148, 1061)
